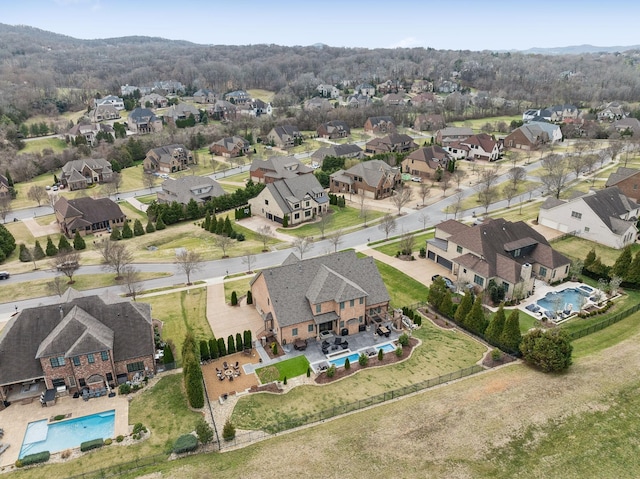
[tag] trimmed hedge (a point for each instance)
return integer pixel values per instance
(185, 443)
(35, 458)
(93, 444)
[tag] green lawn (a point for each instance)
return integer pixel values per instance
(39, 145)
(339, 219)
(147, 199)
(526, 321)
(289, 368)
(577, 248)
(404, 291)
(391, 248)
(240, 286)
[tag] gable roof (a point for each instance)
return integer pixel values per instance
(142, 115)
(378, 120)
(620, 174)
(289, 191)
(92, 210)
(347, 149)
(279, 167)
(95, 164)
(609, 204)
(372, 171)
(434, 156)
(184, 189)
(337, 275)
(230, 142)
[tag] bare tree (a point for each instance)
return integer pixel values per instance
(115, 256)
(222, 242)
(388, 224)
(444, 182)
(556, 174)
(53, 198)
(335, 239)
(132, 281)
(509, 192)
(456, 206)
(108, 189)
(589, 161)
(5, 208)
(486, 196)
(116, 180)
(57, 285)
(189, 262)
(458, 176)
(264, 235)
(407, 242)
(488, 177)
(249, 259)
(576, 163)
(401, 197)
(67, 263)
(324, 220)
(424, 217)
(517, 174)
(364, 211)
(148, 180)
(514, 157)
(424, 190)
(302, 245)
(37, 193)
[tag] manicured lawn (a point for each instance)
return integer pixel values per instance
(404, 291)
(473, 201)
(264, 95)
(133, 213)
(477, 124)
(526, 321)
(240, 286)
(390, 249)
(577, 248)
(340, 219)
(290, 368)
(37, 146)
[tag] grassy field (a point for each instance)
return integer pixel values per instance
(403, 290)
(179, 312)
(39, 145)
(577, 248)
(289, 368)
(264, 95)
(339, 219)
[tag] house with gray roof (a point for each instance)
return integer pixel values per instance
(182, 190)
(90, 132)
(333, 129)
(143, 120)
(347, 150)
(627, 180)
(277, 168)
(374, 179)
(230, 147)
(338, 292)
(532, 135)
(379, 124)
(301, 198)
(87, 215)
(512, 254)
(205, 96)
(154, 100)
(181, 111)
(284, 136)
(238, 97)
(451, 134)
(79, 174)
(116, 102)
(391, 143)
(605, 216)
(104, 113)
(168, 159)
(92, 342)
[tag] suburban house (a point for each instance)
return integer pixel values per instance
(87, 215)
(143, 120)
(424, 161)
(167, 159)
(476, 147)
(610, 112)
(182, 190)
(379, 124)
(373, 179)
(348, 150)
(116, 102)
(5, 189)
(222, 110)
(605, 216)
(89, 132)
(338, 292)
(82, 342)
(255, 108)
(153, 100)
(390, 86)
(392, 99)
(284, 136)
(425, 99)
(429, 122)
(103, 113)
(181, 111)
(328, 91)
(628, 126)
(237, 97)
(79, 174)
(564, 113)
(204, 96)
(451, 134)
(448, 86)
(357, 101)
(512, 254)
(531, 136)
(333, 129)
(365, 89)
(317, 103)
(392, 143)
(276, 168)
(627, 180)
(230, 147)
(301, 198)
(419, 86)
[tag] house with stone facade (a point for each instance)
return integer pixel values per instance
(391, 143)
(87, 215)
(79, 174)
(338, 292)
(168, 159)
(277, 168)
(374, 179)
(230, 147)
(81, 342)
(423, 162)
(333, 129)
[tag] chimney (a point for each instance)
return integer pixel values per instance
(525, 272)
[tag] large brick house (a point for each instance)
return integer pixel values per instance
(392, 143)
(284, 136)
(379, 124)
(87, 215)
(373, 179)
(276, 168)
(337, 292)
(79, 174)
(424, 161)
(627, 180)
(167, 159)
(230, 147)
(83, 342)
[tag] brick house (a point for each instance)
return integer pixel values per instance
(392, 143)
(5, 189)
(276, 168)
(379, 124)
(230, 147)
(82, 342)
(627, 180)
(338, 292)
(333, 129)
(87, 215)
(424, 161)
(79, 174)
(284, 136)
(451, 134)
(373, 179)
(167, 159)
(143, 120)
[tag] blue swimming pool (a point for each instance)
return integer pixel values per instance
(353, 357)
(61, 435)
(567, 299)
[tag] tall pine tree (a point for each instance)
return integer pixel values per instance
(126, 231)
(464, 307)
(493, 333)
(623, 263)
(633, 274)
(63, 245)
(511, 336)
(138, 230)
(78, 242)
(37, 252)
(475, 320)
(50, 249)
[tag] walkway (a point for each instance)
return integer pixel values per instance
(38, 230)
(137, 204)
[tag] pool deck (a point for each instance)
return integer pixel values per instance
(541, 289)
(15, 418)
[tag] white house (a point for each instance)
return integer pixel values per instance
(116, 102)
(607, 217)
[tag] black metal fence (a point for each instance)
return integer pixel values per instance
(604, 323)
(123, 468)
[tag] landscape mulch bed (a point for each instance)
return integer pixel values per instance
(489, 362)
(437, 319)
(388, 358)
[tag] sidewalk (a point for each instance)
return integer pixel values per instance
(137, 204)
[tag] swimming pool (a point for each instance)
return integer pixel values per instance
(61, 435)
(353, 357)
(568, 299)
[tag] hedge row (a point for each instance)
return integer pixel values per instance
(185, 443)
(93, 444)
(35, 458)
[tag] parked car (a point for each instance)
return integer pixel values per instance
(4, 275)
(447, 281)
(416, 179)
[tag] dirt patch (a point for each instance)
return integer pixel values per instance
(389, 358)
(437, 319)
(489, 362)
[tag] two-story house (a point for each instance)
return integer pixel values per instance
(182, 190)
(276, 168)
(379, 124)
(143, 120)
(284, 136)
(392, 143)
(627, 180)
(338, 292)
(154, 100)
(230, 147)
(424, 161)
(89, 132)
(87, 215)
(373, 179)
(116, 102)
(333, 129)
(79, 174)
(167, 159)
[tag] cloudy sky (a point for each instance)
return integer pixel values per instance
(455, 25)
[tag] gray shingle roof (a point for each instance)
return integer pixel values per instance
(292, 190)
(620, 174)
(372, 172)
(609, 205)
(347, 149)
(186, 188)
(280, 167)
(291, 284)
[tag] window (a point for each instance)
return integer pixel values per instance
(360, 319)
(91, 359)
(479, 280)
(586, 229)
(72, 382)
(132, 367)
(296, 216)
(543, 271)
(459, 249)
(342, 324)
(307, 213)
(296, 206)
(58, 382)
(104, 355)
(352, 303)
(361, 300)
(109, 377)
(57, 362)
(294, 331)
(505, 286)
(341, 304)
(310, 328)
(76, 361)
(266, 202)
(576, 215)
(635, 187)
(517, 252)
(318, 308)
(82, 382)
(306, 203)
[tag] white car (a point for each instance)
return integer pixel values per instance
(416, 179)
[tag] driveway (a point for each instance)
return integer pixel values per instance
(228, 320)
(38, 230)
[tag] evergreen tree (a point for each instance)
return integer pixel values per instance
(239, 342)
(63, 245)
(247, 339)
(25, 254)
(78, 242)
(549, 350)
(623, 263)
(222, 348)
(206, 222)
(446, 305)
(475, 320)
(204, 350)
(285, 221)
(464, 307)
(51, 249)
(9, 179)
(493, 333)
(249, 297)
(220, 227)
(138, 230)
(228, 228)
(115, 234)
(150, 228)
(126, 231)
(213, 224)
(37, 252)
(213, 349)
(437, 292)
(168, 355)
(160, 224)
(590, 258)
(511, 336)
(633, 274)
(234, 298)
(193, 210)
(231, 346)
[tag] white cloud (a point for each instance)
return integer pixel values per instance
(407, 42)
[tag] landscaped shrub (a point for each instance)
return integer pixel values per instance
(124, 389)
(93, 444)
(150, 228)
(403, 339)
(168, 355)
(222, 348)
(331, 371)
(423, 253)
(363, 360)
(347, 364)
(249, 297)
(108, 441)
(399, 351)
(138, 230)
(247, 339)
(234, 298)
(59, 417)
(213, 349)
(228, 431)
(185, 443)
(204, 432)
(231, 345)
(239, 345)
(119, 438)
(285, 380)
(35, 458)
(139, 428)
(380, 354)
(126, 231)
(496, 354)
(78, 242)
(308, 371)
(417, 320)
(204, 350)
(274, 348)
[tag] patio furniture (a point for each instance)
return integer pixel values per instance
(236, 365)
(231, 378)
(221, 377)
(300, 345)
(225, 365)
(337, 341)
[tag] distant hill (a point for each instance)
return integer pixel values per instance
(579, 50)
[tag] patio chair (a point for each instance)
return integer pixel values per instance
(218, 371)
(236, 366)
(337, 341)
(221, 377)
(225, 365)
(230, 378)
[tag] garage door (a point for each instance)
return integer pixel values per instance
(444, 262)
(431, 255)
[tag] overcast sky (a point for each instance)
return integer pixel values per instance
(452, 25)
